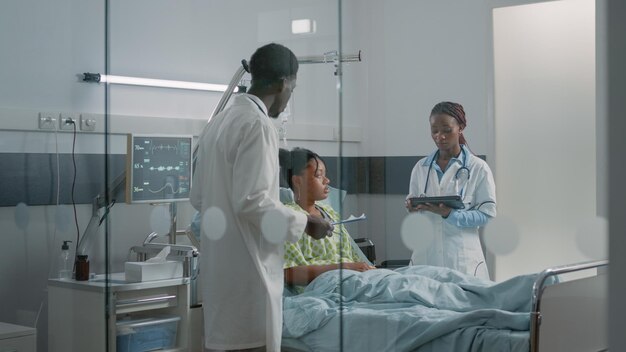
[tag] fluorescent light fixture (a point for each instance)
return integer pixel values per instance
(150, 82)
(302, 26)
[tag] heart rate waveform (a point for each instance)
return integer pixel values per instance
(161, 167)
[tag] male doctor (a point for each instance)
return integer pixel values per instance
(236, 177)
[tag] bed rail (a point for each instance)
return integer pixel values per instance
(540, 286)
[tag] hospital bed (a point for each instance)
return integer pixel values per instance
(560, 309)
(554, 314)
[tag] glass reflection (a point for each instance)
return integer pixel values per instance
(531, 93)
(502, 236)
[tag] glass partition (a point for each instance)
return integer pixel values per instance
(195, 50)
(103, 108)
(52, 153)
(509, 75)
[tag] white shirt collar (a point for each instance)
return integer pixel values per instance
(257, 101)
(461, 159)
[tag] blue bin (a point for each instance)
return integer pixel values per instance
(147, 334)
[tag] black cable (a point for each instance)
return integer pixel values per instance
(74, 180)
(106, 212)
(478, 265)
(477, 206)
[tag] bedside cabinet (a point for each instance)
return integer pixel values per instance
(16, 338)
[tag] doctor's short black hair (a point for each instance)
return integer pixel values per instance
(271, 63)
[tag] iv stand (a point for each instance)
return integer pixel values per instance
(328, 57)
(172, 234)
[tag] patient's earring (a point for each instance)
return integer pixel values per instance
(298, 194)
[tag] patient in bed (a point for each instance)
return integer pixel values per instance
(305, 173)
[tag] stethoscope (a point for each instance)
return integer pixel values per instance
(461, 175)
(257, 105)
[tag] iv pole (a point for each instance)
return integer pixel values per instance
(328, 57)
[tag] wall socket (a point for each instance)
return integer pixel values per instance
(67, 122)
(48, 120)
(87, 123)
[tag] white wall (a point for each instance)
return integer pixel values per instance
(418, 54)
(545, 130)
(44, 46)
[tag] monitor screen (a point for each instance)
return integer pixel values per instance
(159, 168)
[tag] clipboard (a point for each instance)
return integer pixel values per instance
(350, 219)
(454, 202)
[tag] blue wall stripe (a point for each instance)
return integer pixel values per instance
(31, 177)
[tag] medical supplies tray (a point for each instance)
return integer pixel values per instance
(454, 202)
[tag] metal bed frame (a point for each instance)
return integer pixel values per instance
(570, 316)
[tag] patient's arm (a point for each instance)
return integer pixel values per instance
(302, 275)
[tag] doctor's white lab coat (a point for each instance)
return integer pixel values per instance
(241, 271)
(452, 246)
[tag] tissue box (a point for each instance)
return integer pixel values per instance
(148, 271)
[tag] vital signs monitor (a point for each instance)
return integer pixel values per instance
(158, 168)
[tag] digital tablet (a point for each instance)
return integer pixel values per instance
(454, 202)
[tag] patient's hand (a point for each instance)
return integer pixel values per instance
(358, 266)
(318, 228)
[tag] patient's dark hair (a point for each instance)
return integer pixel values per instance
(294, 162)
(271, 63)
(284, 160)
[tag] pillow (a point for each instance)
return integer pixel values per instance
(286, 195)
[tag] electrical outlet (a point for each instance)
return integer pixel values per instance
(87, 123)
(48, 120)
(67, 122)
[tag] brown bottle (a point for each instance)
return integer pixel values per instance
(82, 268)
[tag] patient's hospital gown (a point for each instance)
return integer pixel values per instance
(241, 270)
(328, 250)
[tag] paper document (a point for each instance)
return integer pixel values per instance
(351, 218)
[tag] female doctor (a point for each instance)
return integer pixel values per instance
(452, 169)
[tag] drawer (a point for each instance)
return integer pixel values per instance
(138, 300)
(19, 344)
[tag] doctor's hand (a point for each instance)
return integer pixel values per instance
(318, 228)
(407, 205)
(439, 209)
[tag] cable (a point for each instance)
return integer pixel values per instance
(477, 206)
(478, 265)
(106, 212)
(74, 179)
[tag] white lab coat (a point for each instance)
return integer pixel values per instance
(455, 247)
(242, 272)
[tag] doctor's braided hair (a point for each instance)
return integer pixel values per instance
(454, 110)
(294, 162)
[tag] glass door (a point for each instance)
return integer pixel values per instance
(53, 163)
